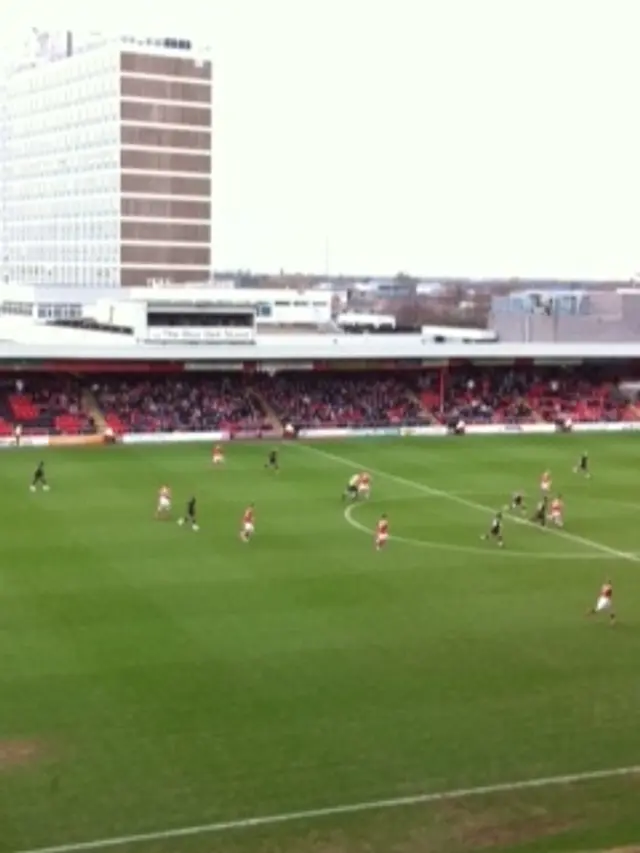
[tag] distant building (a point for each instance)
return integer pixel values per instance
(606, 316)
(105, 150)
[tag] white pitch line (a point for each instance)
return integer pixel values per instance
(454, 498)
(334, 811)
(468, 549)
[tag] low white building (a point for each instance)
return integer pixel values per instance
(43, 304)
(364, 322)
(284, 307)
(458, 334)
(272, 307)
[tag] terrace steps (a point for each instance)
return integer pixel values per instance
(269, 411)
(634, 411)
(537, 417)
(90, 407)
(426, 412)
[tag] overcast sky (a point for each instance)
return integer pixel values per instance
(431, 136)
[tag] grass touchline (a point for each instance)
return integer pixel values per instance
(331, 811)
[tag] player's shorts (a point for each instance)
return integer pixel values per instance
(381, 538)
(352, 490)
(218, 458)
(603, 603)
(164, 503)
(248, 528)
(545, 486)
(364, 489)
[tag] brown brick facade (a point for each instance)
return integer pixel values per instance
(165, 161)
(159, 137)
(151, 113)
(158, 129)
(141, 276)
(166, 208)
(165, 232)
(167, 185)
(161, 254)
(165, 90)
(164, 66)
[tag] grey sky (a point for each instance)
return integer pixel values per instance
(433, 136)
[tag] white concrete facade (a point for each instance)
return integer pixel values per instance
(277, 306)
(28, 341)
(60, 163)
(61, 216)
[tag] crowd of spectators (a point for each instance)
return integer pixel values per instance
(340, 400)
(172, 404)
(530, 395)
(44, 404)
(249, 402)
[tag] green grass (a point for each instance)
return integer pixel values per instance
(153, 678)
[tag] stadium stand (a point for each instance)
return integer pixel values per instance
(44, 405)
(314, 399)
(169, 404)
(259, 402)
(527, 396)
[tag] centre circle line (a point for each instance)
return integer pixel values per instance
(469, 549)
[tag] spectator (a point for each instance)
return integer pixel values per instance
(169, 404)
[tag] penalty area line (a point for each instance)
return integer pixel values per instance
(337, 810)
(453, 498)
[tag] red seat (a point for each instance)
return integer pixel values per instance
(68, 424)
(23, 407)
(430, 399)
(115, 423)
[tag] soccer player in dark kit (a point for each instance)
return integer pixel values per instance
(272, 461)
(39, 479)
(495, 531)
(542, 511)
(583, 465)
(189, 517)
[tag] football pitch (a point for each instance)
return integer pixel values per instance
(165, 691)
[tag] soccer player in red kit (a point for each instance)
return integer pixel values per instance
(382, 532)
(163, 508)
(604, 602)
(248, 525)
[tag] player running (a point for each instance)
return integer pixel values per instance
(517, 503)
(248, 524)
(351, 490)
(163, 508)
(382, 533)
(541, 513)
(583, 465)
(556, 513)
(364, 485)
(545, 483)
(189, 518)
(495, 530)
(272, 461)
(39, 479)
(604, 602)
(217, 456)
